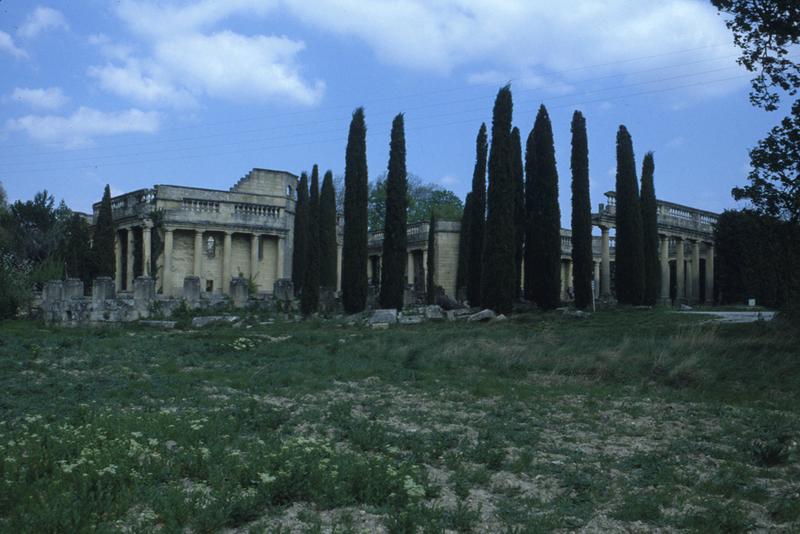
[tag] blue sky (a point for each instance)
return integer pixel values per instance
(136, 93)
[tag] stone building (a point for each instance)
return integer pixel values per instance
(212, 234)
(248, 232)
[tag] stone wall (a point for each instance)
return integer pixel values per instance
(446, 237)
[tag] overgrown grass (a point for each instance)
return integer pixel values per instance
(539, 423)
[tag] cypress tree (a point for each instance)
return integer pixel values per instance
(582, 268)
(300, 233)
(394, 229)
(430, 276)
(519, 207)
(462, 274)
(103, 241)
(356, 192)
(652, 266)
(309, 300)
(629, 255)
(328, 248)
(497, 275)
(478, 223)
(543, 240)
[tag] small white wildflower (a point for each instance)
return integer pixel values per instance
(266, 478)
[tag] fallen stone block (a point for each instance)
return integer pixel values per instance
(483, 315)
(200, 322)
(434, 313)
(500, 317)
(383, 316)
(166, 325)
(379, 326)
(411, 319)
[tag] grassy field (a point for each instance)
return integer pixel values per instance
(631, 420)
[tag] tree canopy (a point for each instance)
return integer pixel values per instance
(768, 33)
(421, 198)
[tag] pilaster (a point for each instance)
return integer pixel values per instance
(166, 282)
(664, 251)
(605, 263)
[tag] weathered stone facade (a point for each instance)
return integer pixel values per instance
(214, 236)
(211, 234)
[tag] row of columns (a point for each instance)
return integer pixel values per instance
(167, 288)
(692, 292)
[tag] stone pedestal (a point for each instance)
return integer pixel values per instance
(102, 289)
(73, 288)
(144, 293)
(327, 299)
(191, 291)
(53, 291)
(239, 291)
(283, 290)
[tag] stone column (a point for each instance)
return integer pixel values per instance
(253, 256)
(117, 262)
(146, 250)
(679, 269)
(709, 273)
(338, 267)
(198, 253)
(166, 282)
(226, 263)
(279, 267)
(570, 285)
(605, 265)
(129, 263)
(695, 270)
(664, 250)
(596, 265)
(410, 268)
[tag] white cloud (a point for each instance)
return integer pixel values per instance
(189, 60)
(84, 125)
(42, 19)
(538, 45)
(237, 67)
(7, 45)
(109, 48)
(518, 33)
(49, 98)
(131, 82)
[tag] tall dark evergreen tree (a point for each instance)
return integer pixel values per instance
(103, 240)
(652, 266)
(75, 249)
(477, 226)
(309, 300)
(328, 248)
(462, 274)
(519, 206)
(629, 253)
(497, 275)
(430, 275)
(356, 191)
(543, 239)
(300, 234)
(394, 228)
(582, 267)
